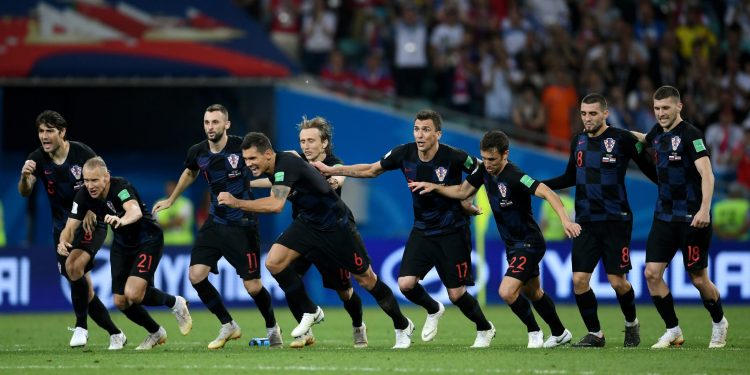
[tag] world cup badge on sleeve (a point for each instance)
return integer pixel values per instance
(441, 172)
(233, 159)
(76, 171)
(609, 144)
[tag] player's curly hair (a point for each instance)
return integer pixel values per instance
(52, 119)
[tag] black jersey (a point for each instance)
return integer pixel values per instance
(312, 198)
(433, 213)
(510, 198)
(597, 167)
(224, 171)
(679, 181)
(330, 160)
(61, 182)
(143, 231)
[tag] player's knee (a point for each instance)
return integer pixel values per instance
(121, 302)
(196, 276)
(273, 267)
(367, 280)
(651, 275)
(455, 294)
(405, 285)
(699, 281)
(74, 272)
(345, 295)
(580, 284)
(508, 295)
(133, 296)
(253, 286)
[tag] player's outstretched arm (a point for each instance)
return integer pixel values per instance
(460, 192)
(271, 204)
(26, 183)
(66, 236)
(132, 214)
(356, 170)
(572, 229)
(187, 177)
(702, 218)
(260, 183)
(640, 136)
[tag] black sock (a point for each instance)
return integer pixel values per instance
(384, 296)
(471, 309)
(294, 290)
(715, 309)
(295, 309)
(522, 309)
(263, 302)
(79, 296)
(665, 307)
(419, 296)
(99, 314)
(627, 305)
(354, 307)
(212, 300)
(588, 306)
(138, 315)
(157, 297)
(546, 309)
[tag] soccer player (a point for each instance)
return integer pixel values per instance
(509, 190)
(316, 143)
(57, 165)
(682, 219)
(599, 158)
(136, 249)
(324, 227)
(228, 232)
(440, 237)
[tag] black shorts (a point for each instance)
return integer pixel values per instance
(139, 262)
(90, 243)
(343, 246)
(449, 253)
(666, 238)
(239, 245)
(523, 263)
(605, 240)
(334, 277)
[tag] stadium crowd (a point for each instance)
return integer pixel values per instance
(528, 62)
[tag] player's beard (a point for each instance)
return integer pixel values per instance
(594, 129)
(218, 135)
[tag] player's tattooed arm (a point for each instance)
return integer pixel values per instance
(271, 204)
(280, 191)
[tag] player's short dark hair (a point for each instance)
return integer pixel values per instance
(220, 108)
(665, 92)
(52, 119)
(494, 139)
(95, 162)
(257, 140)
(323, 126)
(595, 98)
(428, 114)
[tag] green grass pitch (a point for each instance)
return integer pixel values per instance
(38, 343)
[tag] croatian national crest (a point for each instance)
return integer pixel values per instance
(609, 144)
(441, 172)
(233, 159)
(503, 189)
(76, 171)
(675, 143)
(111, 206)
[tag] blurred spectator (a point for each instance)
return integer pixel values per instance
(648, 29)
(731, 215)
(619, 116)
(528, 113)
(318, 31)
(666, 69)
(560, 101)
(410, 53)
(374, 81)
(741, 159)
(549, 12)
(336, 75)
(694, 33)
(177, 220)
(497, 76)
(738, 13)
(445, 41)
(721, 138)
(514, 30)
(641, 105)
(285, 25)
